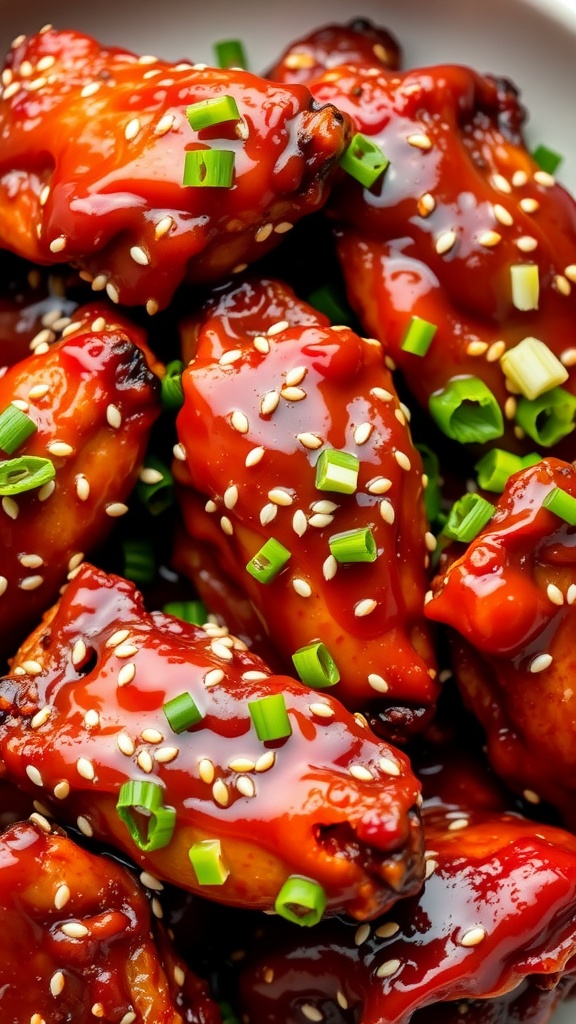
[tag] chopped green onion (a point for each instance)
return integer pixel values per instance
(15, 428)
(227, 1013)
(230, 54)
(561, 504)
(467, 411)
(145, 799)
(337, 471)
(547, 159)
(533, 368)
(182, 712)
(548, 418)
(418, 337)
(270, 717)
(467, 517)
(209, 168)
(354, 546)
(301, 900)
(206, 859)
(432, 491)
(158, 494)
(171, 390)
(194, 612)
(216, 110)
(268, 561)
(315, 666)
(25, 473)
(495, 467)
(364, 160)
(525, 285)
(139, 560)
(332, 303)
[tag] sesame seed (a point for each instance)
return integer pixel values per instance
(499, 182)
(92, 719)
(311, 1012)
(329, 568)
(152, 307)
(128, 1018)
(144, 761)
(32, 667)
(99, 283)
(430, 541)
(11, 90)
(489, 239)
(31, 582)
(164, 755)
(90, 89)
(230, 357)
(321, 710)
(320, 519)
(56, 983)
(261, 344)
(213, 677)
(97, 1010)
(502, 215)
(132, 128)
(382, 394)
(402, 460)
(75, 930)
(473, 937)
(283, 227)
(570, 272)
(540, 663)
(126, 674)
(125, 650)
(378, 485)
(377, 683)
(226, 525)
(358, 771)
(150, 476)
(389, 766)
(293, 394)
(400, 416)
(544, 179)
(220, 793)
(362, 432)
(301, 587)
(277, 328)
(61, 790)
(113, 416)
(112, 292)
(531, 796)
(387, 930)
(40, 820)
(41, 717)
(526, 243)
(61, 449)
(295, 375)
(554, 593)
(61, 896)
(529, 205)
(268, 512)
(152, 736)
(85, 768)
(431, 866)
(457, 824)
(510, 407)
(387, 511)
(445, 242)
(562, 284)
(571, 594)
(568, 357)
(426, 204)
(245, 786)
(239, 421)
(118, 637)
(419, 140)
(19, 403)
(139, 255)
(116, 509)
(269, 403)
(125, 744)
(362, 933)
(388, 968)
(58, 244)
(495, 351)
(82, 487)
(43, 337)
(10, 507)
(263, 232)
(280, 496)
(265, 761)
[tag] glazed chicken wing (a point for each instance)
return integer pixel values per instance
(295, 442)
(251, 782)
(93, 148)
(357, 42)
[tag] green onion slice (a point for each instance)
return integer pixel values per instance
(549, 418)
(209, 168)
(533, 368)
(562, 504)
(206, 859)
(525, 285)
(364, 160)
(467, 517)
(15, 428)
(140, 806)
(25, 473)
(432, 491)
(467, 411)
(230, 53)
(216, 110)
(268, 561)
(171, 390)
(301, 900)
(418, 337)
(270, 717)
(337, 471)
(182, 712)
(495, 467)
(354, 546)
(194, 612)
(315, 666)
(158, 495)
(330, 301)
(139, 560)
(547, 159)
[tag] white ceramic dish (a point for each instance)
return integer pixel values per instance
(532, 42)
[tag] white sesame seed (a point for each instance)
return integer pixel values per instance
(419, 140)
(144, 761)
(85, 768)
(295, 375)
(283, 227)
(402, 460)
(570, 272)
(389, 766)
(377, 683)
(37, 818)
(299, 522)
(362, 933)
(152, 736)
(301, 587)
(113, 416)
(431, 866)
(92, 719)
(226, 526)
(164, 125)
(116, 509)
(32, 667)
(128, 1018)
(10, 507)
(78, 652)
(213, 677)
(31, 582)
(239, 421)
(280, 496)
(265, 761)
(97, 1010)
(540, 663)
(126, 674)
(554, 593)
(320, 519)
(529, 205)
(387, 511)
(245, 786)
(38, 391)
(544, 179)
(164, 755)
(220, 793)
(150, 476)
(58, 244)
(358, 771)
(220, 650)
(473, 937)
(293, 394)
(495, 351)
(112, 292)
(261, 344)
(34, 775)
(61, 790)
(489, 239)
(502, 215)
(277, 328)
(61, 449)
(362, 432)
(458, 823)
(321, 710)
(378, 485)
(139, 255)
(90, 89)
(118, 637)
(562, 284)
(132, 128)
(125, 650)
(125, 744)
(61, 896)
(263, 232)
(445, 242)
(57, 983)
(531, 796)
(329, 567)
(388, 968)
(510, 407)
(75, 930)
(499, 182)
(526, 243)
(11, 90)
(311, 1012)
(387, 930)
(41, 717)
(268, 512)
(179, 452)
(82, 487)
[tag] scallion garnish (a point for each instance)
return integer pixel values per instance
(467, 411)
(354, 546)
(270, 717)
(495, 467)
(525, 285)
(432, 491)
(532, 368)
(25, 473)
(337, 471)
(467, 517)
(139, 560)
(216, 110)
(140, 806)
(182, 712)
(547, 159)
(549, 417)
(330, 301)
(230, 53)
(418, 337)
(194, 612)
(364, 160)
(206, 859)
(15, 427)
(316, 666)
(171, 391)
(268, 561)
(561, 504)
(155, 488)
(209, 168)
(301, 900)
